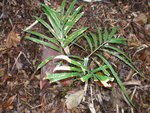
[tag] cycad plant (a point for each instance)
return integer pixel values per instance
(60, 25)
(79, 67)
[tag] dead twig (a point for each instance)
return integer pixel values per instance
(86, 86)
(132, 95)
(33, 24)
(36, 106)
(129, 75)
(132, 83)
(91, 105)
(117, 108)
(16, 61)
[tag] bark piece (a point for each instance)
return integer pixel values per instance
(48, 68)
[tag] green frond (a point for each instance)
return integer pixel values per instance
(62, 10)
(52, 15)
(121, 58)
(61, 75)
(114, 30)
(43, 43)
(104, 70)
(53, 40)
(69, 11)
(76, 57)
(104, 79)
(116, 77)
(96, 70)
(75, 13)
(100, 38)
(105, 34)
(77, 45)
(118, 41)
(89, 42)
(118, 50)
(86, 77)
(68, 26)
(44, 62)
(60, 25)
(102, 67)
(73, 36)
(75, 42)
(95, 41)
(47, 26)
(54, 22)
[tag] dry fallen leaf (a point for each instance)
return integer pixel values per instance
(147, 29)
(145, 56)
(141, 19)
(133, 44)
(1, 4)
(74, 99)
(13, 39)
(8, 103)
(49, 67)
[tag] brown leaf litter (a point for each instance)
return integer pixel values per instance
(13, 39)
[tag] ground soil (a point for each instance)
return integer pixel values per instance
(20, 91)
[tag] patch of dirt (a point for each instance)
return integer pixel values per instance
(20, 90)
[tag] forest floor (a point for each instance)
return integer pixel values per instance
(19, 58)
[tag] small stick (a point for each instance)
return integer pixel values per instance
(129, 75)
(133, 93)
(33, 24)
(91, 105)
(16, 61)
(36, 106)
(132, 110)
(132, 83)
(122, 110)
(117, 108)
(85, 87)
